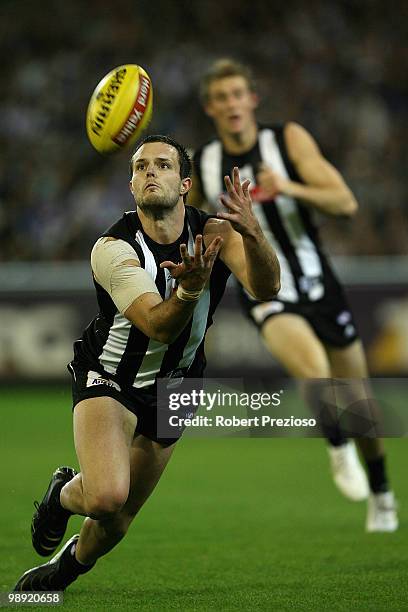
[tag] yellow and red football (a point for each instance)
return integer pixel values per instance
(120, 108)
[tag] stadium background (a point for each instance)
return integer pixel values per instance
(337, 68)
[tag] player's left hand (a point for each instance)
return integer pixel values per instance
(238, 203)
(272, 183)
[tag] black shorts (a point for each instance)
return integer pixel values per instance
(88, 383)
(330, 317)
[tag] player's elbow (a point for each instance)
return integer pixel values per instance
(162, 333)
(150, 328)
(270, 292)
(276, 288)
(349, 205)
(159, 334)
(144, 314)
(273, 292)
(164, 337)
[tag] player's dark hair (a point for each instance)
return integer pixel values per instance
(183, 156)
(220, 69)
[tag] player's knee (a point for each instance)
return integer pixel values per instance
(105, 505)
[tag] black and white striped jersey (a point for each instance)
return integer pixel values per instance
(285, 222)
(112, 345)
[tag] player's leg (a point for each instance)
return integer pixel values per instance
(291, 340)
(98, 422)
(350, 363)
(103, 434)
(148, 460)
(97, 537)
(104, 431)
(294, 343)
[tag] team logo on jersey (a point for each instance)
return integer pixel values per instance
(175, 377)
(94, 379)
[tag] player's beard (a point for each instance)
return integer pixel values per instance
(157, 206)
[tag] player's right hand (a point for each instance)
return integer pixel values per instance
(194, 270)
(271, 182)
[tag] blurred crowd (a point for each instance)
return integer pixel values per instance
(338, 68)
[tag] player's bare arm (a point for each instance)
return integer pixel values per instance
(164, 320)
(245, 250)
(324, 187)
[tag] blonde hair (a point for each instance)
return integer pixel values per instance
(220, 69)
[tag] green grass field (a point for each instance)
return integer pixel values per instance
(248, 524)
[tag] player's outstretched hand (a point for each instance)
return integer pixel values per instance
(194, 270)
(238, 203)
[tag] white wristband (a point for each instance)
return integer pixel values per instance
(188, 296)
